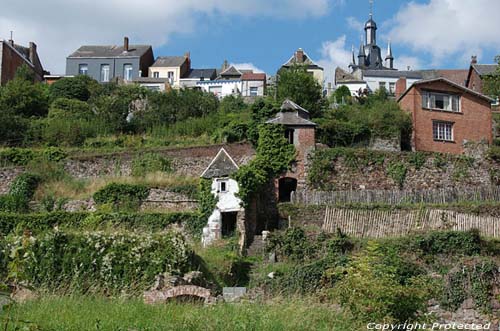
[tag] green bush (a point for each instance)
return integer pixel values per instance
(143, 164)
(23, 156)
(449, 242)
(493, 153)
(25, 185)
(79, 88)
(120, 196)
(147, 222)
(397, 171)
(96, 262)
(13, 203)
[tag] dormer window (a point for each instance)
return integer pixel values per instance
(441, 101)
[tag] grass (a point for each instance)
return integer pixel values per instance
(97, 313)
(73, 188)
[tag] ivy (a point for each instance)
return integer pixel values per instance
(397, 171)
(207, 202)
(274, 156)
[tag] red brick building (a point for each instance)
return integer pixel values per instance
(12, 56)
(477, 72)
(300, 132)
(445, 115)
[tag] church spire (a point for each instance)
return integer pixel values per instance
(353, 59)
(371, 28)
(389, 59)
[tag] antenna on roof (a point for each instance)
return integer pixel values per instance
(11, 35)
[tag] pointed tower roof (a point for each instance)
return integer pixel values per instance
(353, 59)
(361, 52)
(222, 165)
(389, 51)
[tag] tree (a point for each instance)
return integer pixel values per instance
(491, 84)
(301, 87)
(23, 97)
(342, 95)
(79, 87)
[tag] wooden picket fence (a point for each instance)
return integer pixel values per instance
(395, 223)
(396, 197)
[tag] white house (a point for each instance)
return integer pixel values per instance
(223, 220)
(221, 88)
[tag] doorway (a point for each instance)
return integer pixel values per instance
(286, 185)
(229, 223)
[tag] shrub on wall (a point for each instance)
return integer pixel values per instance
(143, 164)
(148, 222)
(23, 156)
(96, 261)
(25, 185)
(126, 196)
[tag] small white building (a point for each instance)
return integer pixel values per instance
(221, 88)
(223, 220)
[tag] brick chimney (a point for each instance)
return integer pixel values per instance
(32, 54)
(125, 44)
(473, 59)
(299, 56)
(187, 56)
(400, 87)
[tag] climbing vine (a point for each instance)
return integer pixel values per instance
(274, 156)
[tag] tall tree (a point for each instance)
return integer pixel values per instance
(301, 87)
(491, 85)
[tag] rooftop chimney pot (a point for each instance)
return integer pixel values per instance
(125, 44)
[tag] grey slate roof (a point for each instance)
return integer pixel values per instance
(231, 71)
(169, 61)
(392, 74)
(485, 69)
(150, 80)
(307, 62)
(292, 114)
(221, 166)
(290, 118)
(89, 51)
(199, 73)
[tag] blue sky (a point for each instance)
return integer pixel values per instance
(260, 33)
(267, 42)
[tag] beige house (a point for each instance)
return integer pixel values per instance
(173, 68)
(301, 58)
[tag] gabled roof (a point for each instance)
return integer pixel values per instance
(99, 51)
(458, 76)
(222, 165)
(231, 71)
(290, 118)
(253, 76)
(449, 82)
(307, 61)
(485, 69)
(342, 76)
(169, 61)
(201, 73)
(292, 114)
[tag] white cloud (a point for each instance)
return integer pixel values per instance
(355, 24)
(247, 66)
(446, 28)
(404, 61)
(60, 26)
(334, 54)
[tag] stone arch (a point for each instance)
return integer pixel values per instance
(185, 291)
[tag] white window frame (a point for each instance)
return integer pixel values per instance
(443, 131)
(128, 69)
(382, 84)
(105, 73)
(83, 69)
(392, 88)
(156, 74)
(449, 101)
(254, 91)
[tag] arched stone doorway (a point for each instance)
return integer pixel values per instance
(286, 186)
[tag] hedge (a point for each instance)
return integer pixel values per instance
(95, 262)
(10, 222)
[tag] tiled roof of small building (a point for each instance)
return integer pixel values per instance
(201, 73)
(221, 166)
(253, 76)
(485, 69)
(292, 114)
(342, 76)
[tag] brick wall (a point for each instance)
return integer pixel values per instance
(473, 124)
